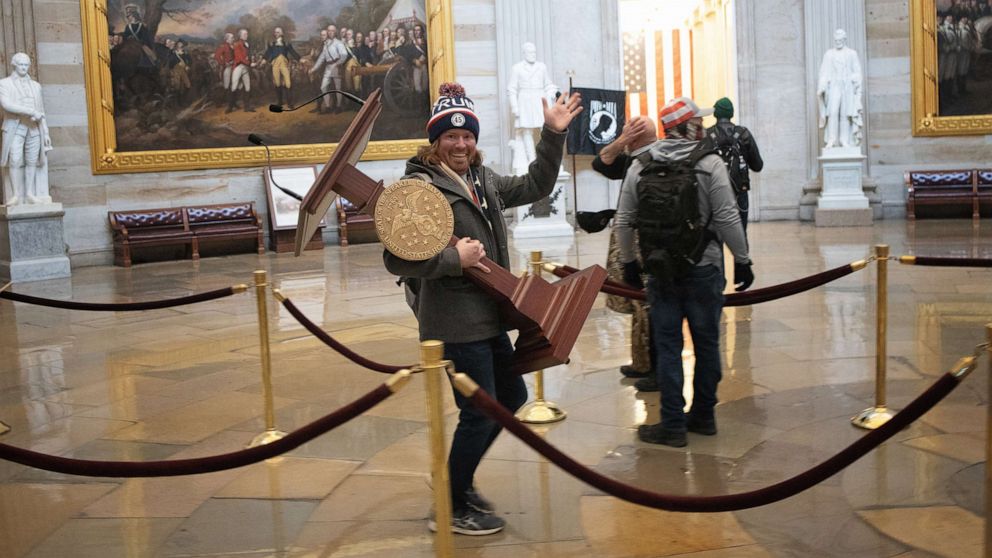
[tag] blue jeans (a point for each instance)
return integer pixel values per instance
(488, 363)
(697, 297)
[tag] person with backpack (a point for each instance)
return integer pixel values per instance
(678, 197)
(736, 146)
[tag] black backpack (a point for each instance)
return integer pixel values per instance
(671, 231)
(728, 147)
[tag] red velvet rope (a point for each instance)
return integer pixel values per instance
(755, 296)
(337, 345)
(727, 502)
(952, 262)
(177, 467)
(118, 306)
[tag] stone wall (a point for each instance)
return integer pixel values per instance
(772, 88)
(87, 198)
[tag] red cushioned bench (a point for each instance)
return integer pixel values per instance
(149, 227)
(225, 221)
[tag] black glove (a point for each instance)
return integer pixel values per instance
(743, 276)
(632, 274)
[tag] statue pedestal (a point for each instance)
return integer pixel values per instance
(842, 202)
(544, 219)
(32, 242)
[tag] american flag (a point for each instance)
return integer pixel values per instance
(657, 67)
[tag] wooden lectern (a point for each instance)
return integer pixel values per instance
(548, 316)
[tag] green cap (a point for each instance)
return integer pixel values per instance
(723, 108)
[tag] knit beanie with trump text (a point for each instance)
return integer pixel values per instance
(452, 110)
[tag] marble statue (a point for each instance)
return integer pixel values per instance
(839, 95)
(529, 83)
(25, 139)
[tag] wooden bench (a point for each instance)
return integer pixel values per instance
(966, 191)
(225, 221)
(354, 227)
(149, 227)
(184, 226)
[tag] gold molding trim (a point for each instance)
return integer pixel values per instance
(923, 80)
(105, 159)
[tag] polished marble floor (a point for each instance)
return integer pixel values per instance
(185, 382)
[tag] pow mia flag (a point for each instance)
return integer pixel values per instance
(600, 122)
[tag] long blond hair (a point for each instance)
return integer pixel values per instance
(431, 155)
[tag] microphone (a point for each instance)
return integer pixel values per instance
(279, 108)
(257, 140)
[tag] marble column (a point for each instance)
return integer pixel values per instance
(16, 30)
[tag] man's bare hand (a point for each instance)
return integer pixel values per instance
(559, 114)
(635, 128)
(470, 253)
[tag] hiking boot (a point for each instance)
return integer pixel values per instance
(470, 522)
(657, 434)
(647, 384)
(477, 502)
(631, 372)
(706, 427)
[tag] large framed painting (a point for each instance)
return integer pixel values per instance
(179, 84)
(951, 67)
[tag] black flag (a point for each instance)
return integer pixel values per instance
(600, 121)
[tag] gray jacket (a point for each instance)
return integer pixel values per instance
(717, 203)
(450, 307)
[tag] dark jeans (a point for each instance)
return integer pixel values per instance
(488, 363)
(698, 297)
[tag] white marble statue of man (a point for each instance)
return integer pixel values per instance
(25, 137)
(529, 83)
(839, 94)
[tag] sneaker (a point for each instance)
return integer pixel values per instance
(647, 384)
(471, 522)
(631, 372)
(706, 427)
(657, 434)
(477, 502)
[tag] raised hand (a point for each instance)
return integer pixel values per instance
(635, 127)
(559, 114)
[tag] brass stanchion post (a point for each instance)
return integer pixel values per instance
(876, 416)
(539, 411)
(988, 446)
(435, 369)
(270, 434)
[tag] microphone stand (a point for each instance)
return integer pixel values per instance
(268, 167)
(279, 108)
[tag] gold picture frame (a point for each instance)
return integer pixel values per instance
(107, 159)
(925, 80)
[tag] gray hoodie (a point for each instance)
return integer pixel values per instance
(717, 203)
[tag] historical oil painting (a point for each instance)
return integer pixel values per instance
(951, 67)
(964, 57)
(202, 74)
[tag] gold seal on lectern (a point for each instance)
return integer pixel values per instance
(413, 220)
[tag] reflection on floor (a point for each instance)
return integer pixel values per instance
(185, 382)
